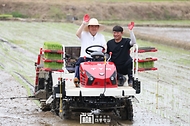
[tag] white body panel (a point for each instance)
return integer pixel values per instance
(71, 90)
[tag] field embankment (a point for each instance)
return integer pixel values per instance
(60, 9)
(109, 13)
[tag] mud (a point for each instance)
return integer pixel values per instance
(19, 111)
(173, 33)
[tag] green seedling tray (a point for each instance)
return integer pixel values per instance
(148, 64)
(52, 46)
(53, 56)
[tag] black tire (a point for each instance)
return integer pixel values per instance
(55, 106)
(65, 114)
(126, 113)
(129, 109)
(123, 114)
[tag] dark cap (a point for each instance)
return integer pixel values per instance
(118, 28)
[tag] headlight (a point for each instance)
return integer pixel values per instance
(90, 78)
(113, 78)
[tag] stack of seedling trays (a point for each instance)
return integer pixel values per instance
(146, 63)
(53, 56)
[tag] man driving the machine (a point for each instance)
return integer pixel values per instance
(120, 48)
(88, 34)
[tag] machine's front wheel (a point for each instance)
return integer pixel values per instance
(65, 113)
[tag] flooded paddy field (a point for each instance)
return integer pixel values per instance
(164, 98)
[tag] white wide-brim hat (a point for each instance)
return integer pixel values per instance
(94, 21)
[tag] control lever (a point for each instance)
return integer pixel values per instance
(110, 56)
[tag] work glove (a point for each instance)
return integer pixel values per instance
(131, 25)
(86, 18)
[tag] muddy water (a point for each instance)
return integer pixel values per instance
(15, 110)
(181, 34)
(166, 91)
(167, 101)
(22, 112)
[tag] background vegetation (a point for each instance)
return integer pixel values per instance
(105, 10)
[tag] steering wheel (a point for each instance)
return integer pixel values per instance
(89, 50)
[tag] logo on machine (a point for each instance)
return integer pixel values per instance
(91, 118)
(86, 118)
(101, 74)
(93, 68)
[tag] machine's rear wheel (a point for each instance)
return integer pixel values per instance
(126, 113)
(55, 106)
